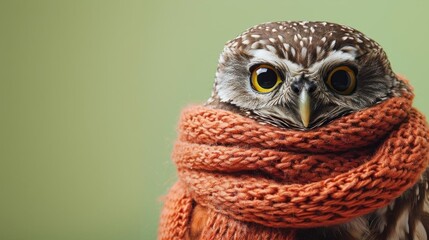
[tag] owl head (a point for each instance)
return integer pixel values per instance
(301, 75)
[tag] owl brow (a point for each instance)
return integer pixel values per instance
(331, 65)
(277, 65)
(334, 57)
(269, 57)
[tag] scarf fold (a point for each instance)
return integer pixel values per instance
(260, 174)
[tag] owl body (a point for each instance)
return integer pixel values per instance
(303, 75)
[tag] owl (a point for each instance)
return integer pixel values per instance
(304, 75)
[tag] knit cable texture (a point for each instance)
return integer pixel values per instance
(250, 172)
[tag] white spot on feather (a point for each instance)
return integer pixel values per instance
(292, 50)
(255, 45)
(348, 49)
(286, 46)
(332, 44)
(303, 52)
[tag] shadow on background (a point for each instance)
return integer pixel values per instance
(90, 93)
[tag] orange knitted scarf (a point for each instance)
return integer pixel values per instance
(255, 178)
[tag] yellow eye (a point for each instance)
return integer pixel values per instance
(342, 80)
(265, 78)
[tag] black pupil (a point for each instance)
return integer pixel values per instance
(340, 80)
(267, 78)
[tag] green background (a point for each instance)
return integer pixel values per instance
(90, 93)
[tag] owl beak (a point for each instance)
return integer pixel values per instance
(304, 107)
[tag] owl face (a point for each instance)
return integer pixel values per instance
(302, 75)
